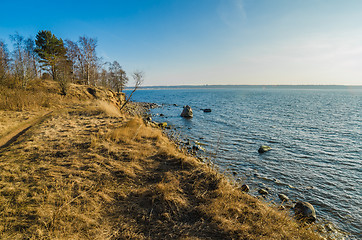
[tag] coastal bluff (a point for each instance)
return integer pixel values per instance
(88, 170)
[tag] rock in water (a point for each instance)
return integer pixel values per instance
(264, 149)
(305, 211)
(207, 110)
(245, 188)
(263, 192)
(162, 125)
(187, 112)
(283, 197)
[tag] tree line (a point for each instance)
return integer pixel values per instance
(48, 56)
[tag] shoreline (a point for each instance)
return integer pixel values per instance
(326, 228)
(89, 171)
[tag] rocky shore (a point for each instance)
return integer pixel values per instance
(88, 171)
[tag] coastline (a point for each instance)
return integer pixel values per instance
(193, 148)
(89, 171)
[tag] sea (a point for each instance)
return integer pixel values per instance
(314, 132)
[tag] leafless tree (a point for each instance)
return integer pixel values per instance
(64, 75)
(88, 59)
(4, 62)
(138, 77)
(73, 55)
(23, 60)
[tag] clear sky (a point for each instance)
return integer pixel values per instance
(178, 42)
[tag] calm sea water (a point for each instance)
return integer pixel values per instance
(315, 133)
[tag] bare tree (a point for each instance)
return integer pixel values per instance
(64, 75)
(4, 62)
(30, 51)
(104, 78)
(23, 65)
(138, 77)
(73, 55)
(88, 59)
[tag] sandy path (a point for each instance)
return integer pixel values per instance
(12, 136)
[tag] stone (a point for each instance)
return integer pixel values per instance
(263, 191)
(207, 110)
(305, 211)
(162, 125)
(264, 149)
(283, 197)
(187, 112)
(245, 188)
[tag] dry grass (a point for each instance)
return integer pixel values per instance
(90, 172)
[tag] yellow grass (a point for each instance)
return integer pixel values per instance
(90, 172)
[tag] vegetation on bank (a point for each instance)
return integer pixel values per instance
(89, 171)
(49, 57)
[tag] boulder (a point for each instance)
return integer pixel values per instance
(283, 197)
(305, 211)
(245, 188)
(187, 112)
(264, 149)
(162, 125)
(263, 192)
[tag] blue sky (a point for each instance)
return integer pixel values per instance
(179, 42)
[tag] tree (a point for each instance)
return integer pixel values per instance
(73, 55)
(4, 62)
(64, 75)
(24, 68)
(118, 77)
(88, 60)
(138, 77)
(50, 50)
(30, 51)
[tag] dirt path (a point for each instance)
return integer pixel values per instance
(12, 136)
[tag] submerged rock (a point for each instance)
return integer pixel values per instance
(264, 149)
(187, 112)
(305, 211)
(207, 110)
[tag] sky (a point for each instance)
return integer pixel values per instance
(198, 42)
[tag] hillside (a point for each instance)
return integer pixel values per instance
(75, 167)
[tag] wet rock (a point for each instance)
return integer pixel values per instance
(187, 112)
(207, 110)
(162, 115)
(245, 188)
(162, 125)
(195, 148)
(264, 149)
(283, 197)
(263, 191)
(305, 211)
(149, 119)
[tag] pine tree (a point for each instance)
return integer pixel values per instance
(50, 50)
